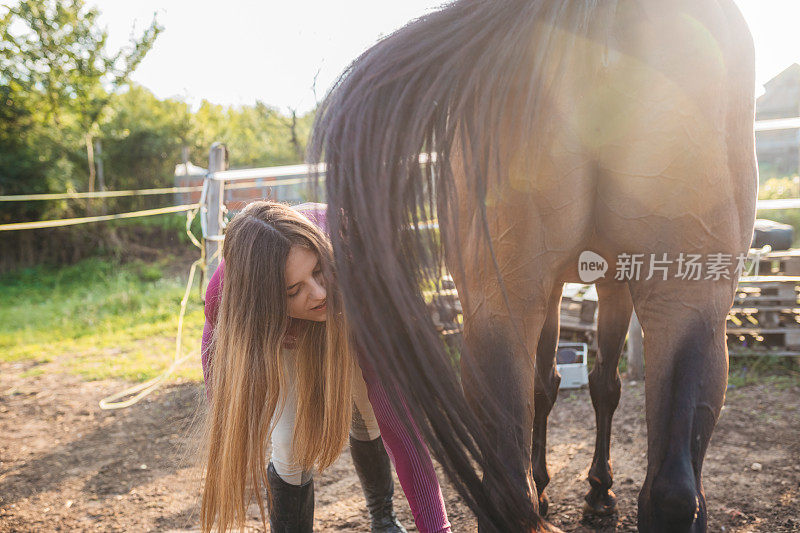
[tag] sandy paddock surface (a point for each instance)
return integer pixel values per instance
(65, 465)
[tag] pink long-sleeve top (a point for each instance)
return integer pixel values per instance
(414, 469)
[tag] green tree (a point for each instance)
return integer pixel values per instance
(56, 51)
(143, 138)
(257, 136)
(21, 170)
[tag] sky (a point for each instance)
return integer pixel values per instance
(288, 53)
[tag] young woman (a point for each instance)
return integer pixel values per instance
(278, 369)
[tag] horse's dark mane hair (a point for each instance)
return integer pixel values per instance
(445, 81)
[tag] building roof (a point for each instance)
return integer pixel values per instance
(790, 75)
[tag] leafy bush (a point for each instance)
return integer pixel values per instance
(781, 188)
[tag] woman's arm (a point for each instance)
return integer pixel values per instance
(414, 469)
(213, 297)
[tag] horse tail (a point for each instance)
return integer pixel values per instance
(443, 82)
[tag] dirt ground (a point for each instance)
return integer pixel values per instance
(65, 465)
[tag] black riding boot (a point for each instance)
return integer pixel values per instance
(292, 507)
(375, 472)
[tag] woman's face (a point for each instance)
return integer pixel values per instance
(305, 286)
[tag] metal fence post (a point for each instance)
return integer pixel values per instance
(217, 161)
(635, 349)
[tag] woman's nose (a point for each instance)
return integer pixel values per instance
(318, 291)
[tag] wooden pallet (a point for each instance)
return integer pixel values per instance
(780, 263)
(765, 317)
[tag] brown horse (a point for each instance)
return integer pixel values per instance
(558, 126)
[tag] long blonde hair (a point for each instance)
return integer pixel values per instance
(248, 365)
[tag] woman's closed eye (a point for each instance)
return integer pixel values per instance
(294, 290)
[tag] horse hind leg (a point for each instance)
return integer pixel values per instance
(497, 370)
(686, 375)
(495, 375)
(546, 382)
(615, 307)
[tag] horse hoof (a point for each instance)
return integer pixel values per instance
(544, 505)
(600, 504)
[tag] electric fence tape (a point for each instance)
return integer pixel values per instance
(145, 192)
(99, 218)
(96, 194)
(141, 390)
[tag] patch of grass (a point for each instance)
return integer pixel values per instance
(98, 319)
(37, 370)
(146, 272)
(779, 372)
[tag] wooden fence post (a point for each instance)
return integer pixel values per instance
(217, 161)
(101, 179)
(635, 349)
